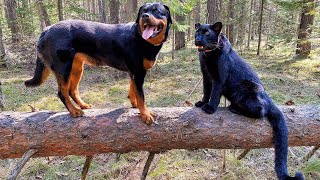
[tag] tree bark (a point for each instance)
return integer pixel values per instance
(121, 130)
(60, 10)
(304, 31)
(114, 11)
(103, 12)
(43, 15)
(93, 10)
(1, 98)
(197, 11)
(229, 28)
(250, 23)
(260, 26)
(180, 41)
(11, 16)
(242, 27)
(213, 11)
(2, 53)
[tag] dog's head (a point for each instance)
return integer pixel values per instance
(207, 36)
(154, 20)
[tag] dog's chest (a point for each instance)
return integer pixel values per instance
(148, 64)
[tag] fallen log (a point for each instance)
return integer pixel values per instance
(121, 130)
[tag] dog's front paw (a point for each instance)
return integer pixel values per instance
(147, 117)
(199, 104)
(208, 109)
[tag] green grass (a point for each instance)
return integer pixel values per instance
(168, 84)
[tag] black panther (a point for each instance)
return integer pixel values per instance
(226, 73)
(63, 48)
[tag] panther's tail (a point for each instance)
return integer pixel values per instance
(280, 133)
(40, 75)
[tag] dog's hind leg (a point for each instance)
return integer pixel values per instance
(63, 94)
(75, 77)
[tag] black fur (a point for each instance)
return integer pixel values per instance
(37, 78)
(226, 73)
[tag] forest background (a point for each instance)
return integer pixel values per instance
(279, 38)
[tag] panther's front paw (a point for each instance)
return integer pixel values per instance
(208, 109)
(199, 104)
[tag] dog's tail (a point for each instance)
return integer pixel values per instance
(42, 71)
(280, 133)
(40, 75)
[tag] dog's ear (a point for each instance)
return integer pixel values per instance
(216, 27)
(169, 15)
(197, 26)
(139, 13)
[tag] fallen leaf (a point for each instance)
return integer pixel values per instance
(289, 102)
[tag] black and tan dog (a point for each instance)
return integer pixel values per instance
(63, 49)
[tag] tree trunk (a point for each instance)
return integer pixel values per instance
(114, 11)
(260, 26)
(270, 26)
(304, 31)
(103, 14)
(2, 54)
(250, 24)
(230, 32)
(189, 28)
(134, 7)
(197, 11)
(1, 98)
(88, 10)
(180, 41)
(43, 15)
(60, 10)
(93, 10)
(11, 16)
(121, 130)
(213, 11)
(242, 27)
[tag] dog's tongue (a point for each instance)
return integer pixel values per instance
(147, 33)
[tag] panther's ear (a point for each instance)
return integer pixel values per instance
(216, 27)
(139, 13)
(197, 25)
(169, 16)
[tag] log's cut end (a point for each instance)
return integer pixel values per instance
(121, 130)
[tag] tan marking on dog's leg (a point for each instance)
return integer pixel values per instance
(132, 95)
(75, 77)
(64, 88)
(146, 115)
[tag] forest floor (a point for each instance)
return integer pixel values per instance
(168, 84)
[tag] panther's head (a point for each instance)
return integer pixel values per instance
(207, 36)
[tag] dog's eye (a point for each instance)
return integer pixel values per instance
(156, 11)
(206, 33)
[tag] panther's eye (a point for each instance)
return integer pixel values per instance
(206, 33)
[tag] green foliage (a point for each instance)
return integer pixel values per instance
(181, 7)
(312, 168)
(76, 9)
(289, 5)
